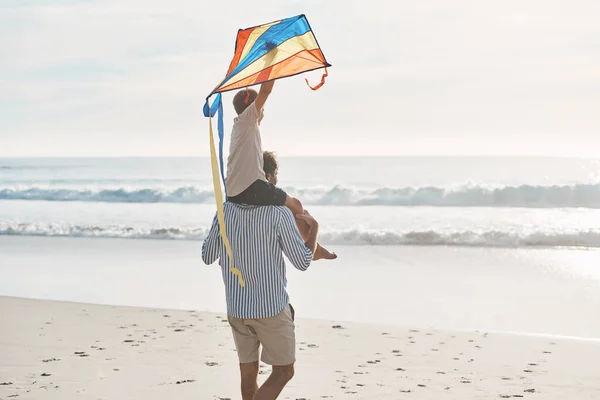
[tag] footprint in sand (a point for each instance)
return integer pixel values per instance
(185, 381)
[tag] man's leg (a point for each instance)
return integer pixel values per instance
(247, 345)
(296, 207)
(278, 338)
(249, 373)
(273, 386)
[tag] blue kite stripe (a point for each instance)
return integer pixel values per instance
(277, 34)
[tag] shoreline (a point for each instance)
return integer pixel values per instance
(320, 320)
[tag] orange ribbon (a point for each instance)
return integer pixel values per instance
(320, 84)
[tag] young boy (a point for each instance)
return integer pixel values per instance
(246, 180)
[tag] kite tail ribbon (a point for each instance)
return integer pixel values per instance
(320, 84)
(209, 112)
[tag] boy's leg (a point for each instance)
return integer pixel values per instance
(296, 207)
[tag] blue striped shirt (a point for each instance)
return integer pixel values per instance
(259, 237)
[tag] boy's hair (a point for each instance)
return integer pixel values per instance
(239, 100)
(270, 163)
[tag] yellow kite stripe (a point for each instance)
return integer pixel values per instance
(278, 54)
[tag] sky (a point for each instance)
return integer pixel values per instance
(428, 77)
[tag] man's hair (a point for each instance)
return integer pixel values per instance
(270, 163)
(239, 100)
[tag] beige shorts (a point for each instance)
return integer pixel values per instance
(276, 335)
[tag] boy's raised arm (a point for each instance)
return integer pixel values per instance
(263, 94)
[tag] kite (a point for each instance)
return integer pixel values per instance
(263, 53)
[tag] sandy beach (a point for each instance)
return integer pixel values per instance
(64, 350)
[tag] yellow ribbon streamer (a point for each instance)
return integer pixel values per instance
(219, 198)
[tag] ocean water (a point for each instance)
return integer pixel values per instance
(481, 202)
(504, 244)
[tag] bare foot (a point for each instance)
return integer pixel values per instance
(323, 254)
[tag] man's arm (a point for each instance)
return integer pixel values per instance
(291, 242)
(211, 248)
(263, 94)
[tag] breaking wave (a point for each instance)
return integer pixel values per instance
(355, 237)
(579, 195)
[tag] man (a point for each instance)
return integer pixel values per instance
(260, 313)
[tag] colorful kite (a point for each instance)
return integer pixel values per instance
(262, 53)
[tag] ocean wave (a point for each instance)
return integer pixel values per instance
(578, 195)
(351, 237)
(185, 194)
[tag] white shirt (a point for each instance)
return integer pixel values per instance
(245, 162)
